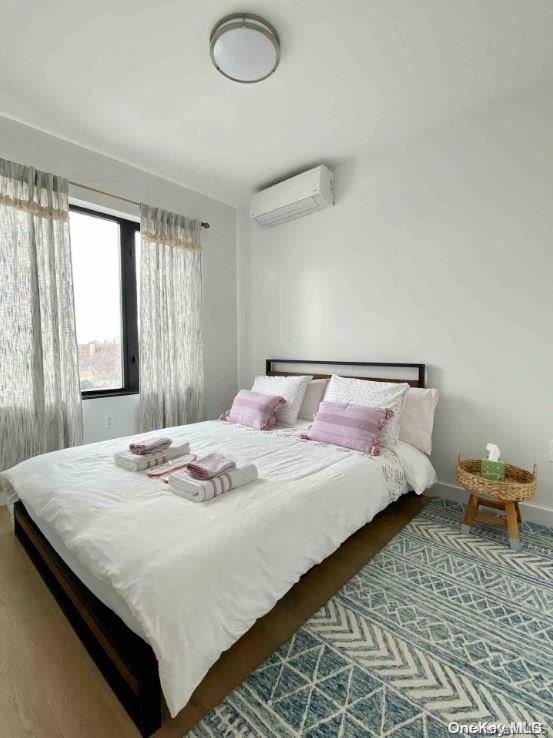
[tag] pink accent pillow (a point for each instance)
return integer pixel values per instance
(254, 409)
(352, 426)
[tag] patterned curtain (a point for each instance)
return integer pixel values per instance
(40, 400)
(171, 358)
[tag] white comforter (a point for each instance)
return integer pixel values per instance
(197, 576)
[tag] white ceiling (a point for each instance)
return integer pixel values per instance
(133, 79)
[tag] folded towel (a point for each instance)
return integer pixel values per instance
(200, 490)
(134, 462)
(150, 445)
(210, 466)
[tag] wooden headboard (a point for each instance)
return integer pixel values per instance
(413, 374)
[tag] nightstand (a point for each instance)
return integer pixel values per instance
(519, 486)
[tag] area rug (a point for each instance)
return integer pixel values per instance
(439, 630)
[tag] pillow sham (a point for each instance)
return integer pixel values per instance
(419, 472)
(312, 398)
(292, 389)
(254, 409)
(371, 394)
(417, 419)
(352, 426)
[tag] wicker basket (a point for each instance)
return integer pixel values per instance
(518, 485)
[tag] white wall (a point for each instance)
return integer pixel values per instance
(438, 250)
(110, 417)
(29, 146)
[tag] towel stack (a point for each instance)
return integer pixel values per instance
(150, 452)
(210, 476)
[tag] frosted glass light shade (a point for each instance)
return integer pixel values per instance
(244, 48)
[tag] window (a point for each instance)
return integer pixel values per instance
(105, 252)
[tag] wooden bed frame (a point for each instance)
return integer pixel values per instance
(127, 662)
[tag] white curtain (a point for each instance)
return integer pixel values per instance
(170, 330)
(40, 400)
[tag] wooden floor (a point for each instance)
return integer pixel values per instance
(49, 686)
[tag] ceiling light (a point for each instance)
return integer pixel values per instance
(244, 47)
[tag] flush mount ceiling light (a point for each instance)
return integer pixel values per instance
(244, 47)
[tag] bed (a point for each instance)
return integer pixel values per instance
(156, 586)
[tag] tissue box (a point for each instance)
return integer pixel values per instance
(492, 470)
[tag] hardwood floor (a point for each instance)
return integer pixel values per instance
(50, 687)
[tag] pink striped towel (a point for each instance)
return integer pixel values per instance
(140, 462)
(150, 445)
(210, 466)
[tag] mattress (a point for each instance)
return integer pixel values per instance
(192, 578)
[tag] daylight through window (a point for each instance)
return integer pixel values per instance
(104, 276)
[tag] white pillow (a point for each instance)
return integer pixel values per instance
(417, 419)
(312, 399)
(371, 394)
(419, 472)
(291, 388)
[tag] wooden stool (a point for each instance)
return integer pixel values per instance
(510, 521)
(519, 485)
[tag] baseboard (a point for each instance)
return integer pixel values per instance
(529, 510)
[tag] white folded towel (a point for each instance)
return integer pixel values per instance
(199, 490)
(127, 460)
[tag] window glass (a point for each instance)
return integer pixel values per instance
(96, 253)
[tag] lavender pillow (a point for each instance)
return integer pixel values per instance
(352, 426)
(254, 409)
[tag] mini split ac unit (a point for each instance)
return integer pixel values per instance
(300, 195)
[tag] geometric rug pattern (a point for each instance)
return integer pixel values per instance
(438, 627)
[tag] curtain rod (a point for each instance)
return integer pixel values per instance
(117, 197)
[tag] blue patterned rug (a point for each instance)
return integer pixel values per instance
(439, 627)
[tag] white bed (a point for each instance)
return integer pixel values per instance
(192, 578)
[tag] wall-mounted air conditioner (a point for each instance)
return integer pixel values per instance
(300, 195)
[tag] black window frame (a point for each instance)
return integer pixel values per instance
(129, 317)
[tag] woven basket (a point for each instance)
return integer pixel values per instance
(518, 485)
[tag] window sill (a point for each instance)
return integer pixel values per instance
(98, 394)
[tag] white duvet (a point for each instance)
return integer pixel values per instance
(197, 576)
